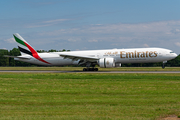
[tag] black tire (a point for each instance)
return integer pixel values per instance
(84, 69)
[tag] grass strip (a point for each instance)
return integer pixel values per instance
(88, 96)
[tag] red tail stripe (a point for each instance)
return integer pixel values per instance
(35, 54)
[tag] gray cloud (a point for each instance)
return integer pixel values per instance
(146, 45)
(177, 44)
(55, 21)
(166, 28)
(46, 23)
(10, 40)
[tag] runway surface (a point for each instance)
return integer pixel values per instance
(39, 71)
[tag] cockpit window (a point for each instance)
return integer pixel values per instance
(171, 52)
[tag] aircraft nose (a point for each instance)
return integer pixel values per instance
(175, 55)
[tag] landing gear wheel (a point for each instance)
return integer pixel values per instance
(84, 69)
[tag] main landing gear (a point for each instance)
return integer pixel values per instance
(90, 69)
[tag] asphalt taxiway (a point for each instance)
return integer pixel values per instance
(48, 71)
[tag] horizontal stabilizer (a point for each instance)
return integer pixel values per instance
(20, 57)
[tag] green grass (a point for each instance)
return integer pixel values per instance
(82, 96)
(100, 69)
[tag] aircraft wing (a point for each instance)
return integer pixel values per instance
(82, 59)
(76, 57)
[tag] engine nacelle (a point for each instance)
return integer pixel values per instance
(106, 62)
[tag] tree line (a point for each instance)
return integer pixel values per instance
(5, 61)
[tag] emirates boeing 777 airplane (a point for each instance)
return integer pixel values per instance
(104, 58)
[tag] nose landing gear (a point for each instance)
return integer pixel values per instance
(163, 65)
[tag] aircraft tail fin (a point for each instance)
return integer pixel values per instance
(24, 47)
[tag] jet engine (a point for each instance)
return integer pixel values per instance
(106, 62)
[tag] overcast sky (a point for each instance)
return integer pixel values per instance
(91, 24)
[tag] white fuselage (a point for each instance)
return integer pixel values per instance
(136, 55)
